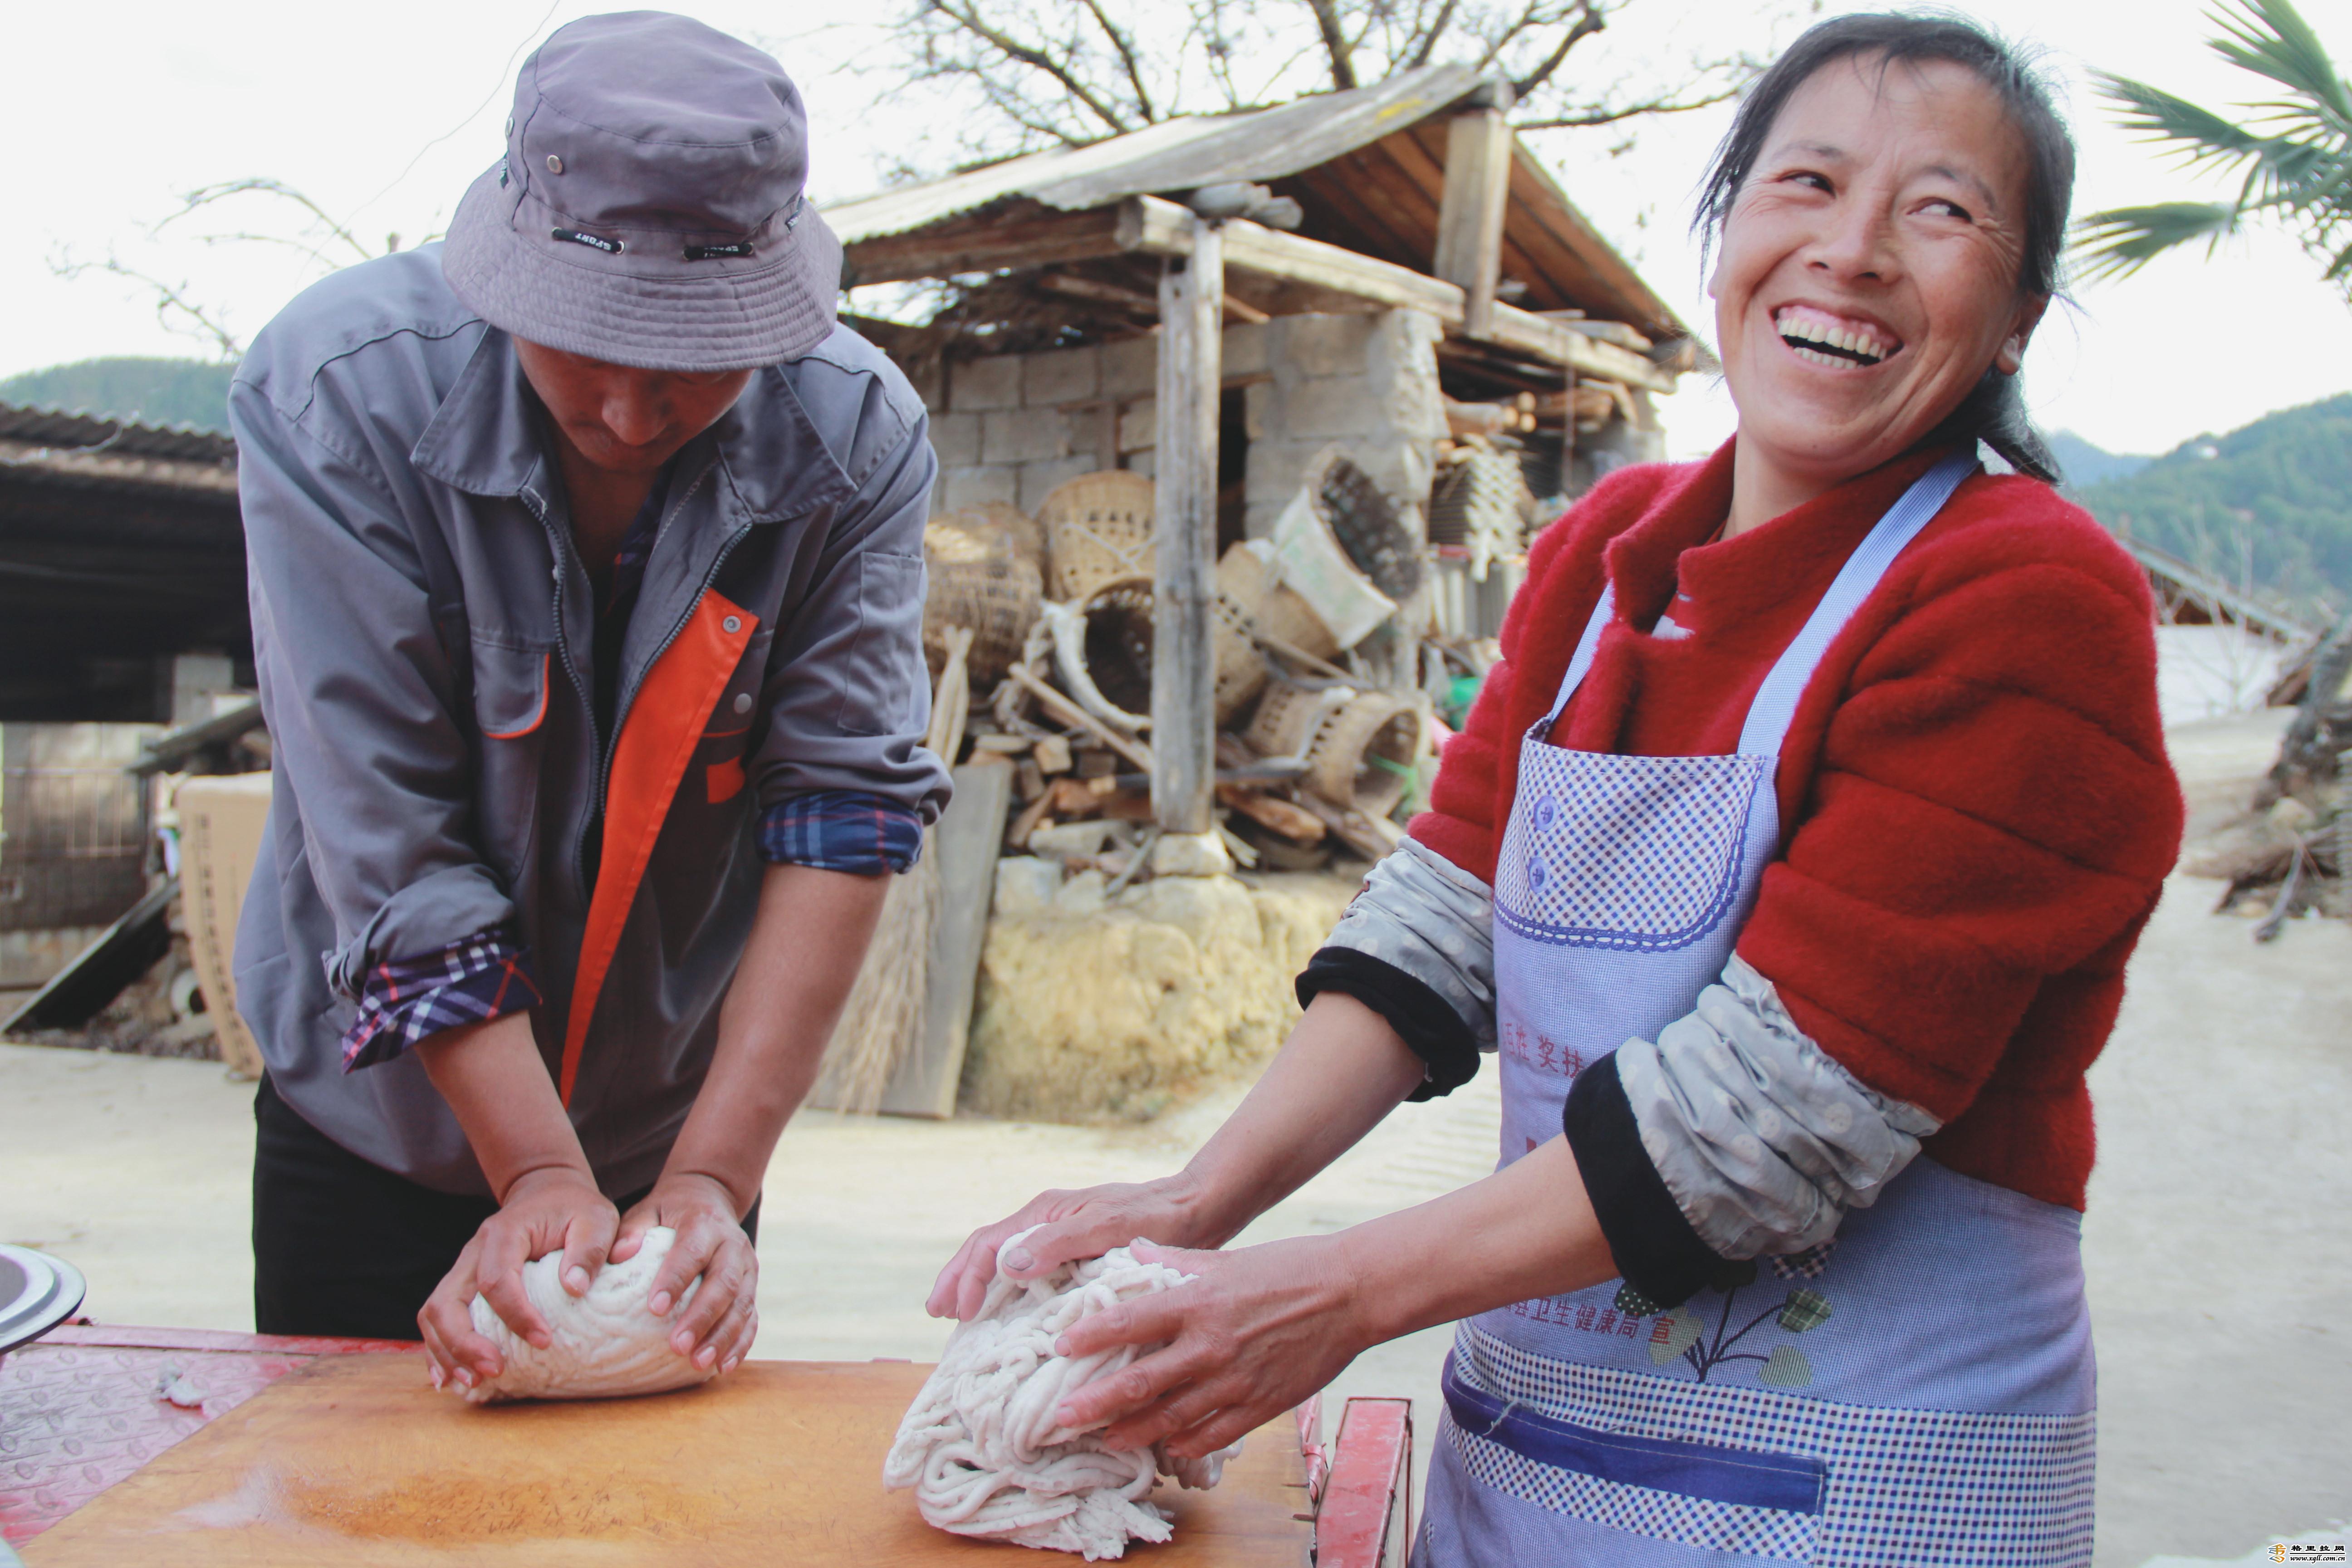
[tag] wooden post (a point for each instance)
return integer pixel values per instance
(1478, 145)
(1183, 658)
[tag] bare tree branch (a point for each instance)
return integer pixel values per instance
(171, 301)
(1126, 48)
(208, 196)
(1429, 38)
(1586, 25)
(1335, 43)
(967, 18)
(1628, 111)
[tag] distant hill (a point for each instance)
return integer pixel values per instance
(2084, 464)
(2272, 502)
(147, 391)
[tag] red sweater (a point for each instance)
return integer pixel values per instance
(1977, 811)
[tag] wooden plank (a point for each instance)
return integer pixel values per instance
(1530, 333)
(355, 1460)
(1068, 712)
(938, 252)
(1184, 535)
(966, 840)
(1161, 227)
(1469, 253)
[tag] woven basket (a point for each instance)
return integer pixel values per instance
(1107, 667)
(979, 579)
(1366, 525)
(1252, 603)
(1028, 537)
(1099, 533)
(1288, 720)
(1364, 755)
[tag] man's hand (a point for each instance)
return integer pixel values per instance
(545, 1211)
(719, 1325)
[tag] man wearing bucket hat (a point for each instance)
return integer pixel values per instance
(587, 579)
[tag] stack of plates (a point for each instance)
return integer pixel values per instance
(37, 1292)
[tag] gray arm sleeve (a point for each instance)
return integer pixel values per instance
(1420, 913)
(1763, 1141)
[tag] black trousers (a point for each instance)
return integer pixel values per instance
(344, 1247)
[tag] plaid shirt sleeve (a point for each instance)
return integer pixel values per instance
(842, 830)
(473, 979)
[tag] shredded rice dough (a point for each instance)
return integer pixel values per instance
(982, 1449)
(605, 1344)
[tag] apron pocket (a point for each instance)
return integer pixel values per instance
(1740, 1500)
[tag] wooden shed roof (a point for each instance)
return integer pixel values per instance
(1367, 165)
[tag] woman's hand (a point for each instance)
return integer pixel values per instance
(1253, 1334)
(544, 1210)
(1084, 1224)
(717, 1326)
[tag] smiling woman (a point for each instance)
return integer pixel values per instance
(1755, 866)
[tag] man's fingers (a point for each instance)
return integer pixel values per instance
(724, 1333)
(689, 1256)
(724, 1286)
(587, 1243)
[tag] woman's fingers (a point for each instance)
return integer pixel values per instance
(721, 1341)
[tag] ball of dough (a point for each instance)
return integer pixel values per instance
(605, 1344)
(981, 1445)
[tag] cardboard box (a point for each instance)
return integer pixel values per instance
(222, 820)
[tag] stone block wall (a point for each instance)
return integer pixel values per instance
(1366, 384)
(1012, 426)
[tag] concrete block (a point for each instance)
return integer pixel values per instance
(1274, 469)
(932, 385)
(1138, 426)
(1062, 375)
(1318, 346)
(1247, 346)
(1260, 410)
(1039, 480)
(961, 488)
(1023, 435)
(1328, 406)
(1131, 368)
(1144, 463)
(983, 384)
(956, 438)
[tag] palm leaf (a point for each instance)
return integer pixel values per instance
(2121, 240)
(2270, 38)
(2152, 112)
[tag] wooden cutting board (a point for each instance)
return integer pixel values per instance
(354, 1460)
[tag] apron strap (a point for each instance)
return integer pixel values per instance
(1775, 707)
(1581, 662)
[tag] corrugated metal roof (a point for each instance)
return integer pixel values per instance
(66, 433)
(1173, 155)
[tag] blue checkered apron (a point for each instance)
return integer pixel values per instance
(1918, 1391)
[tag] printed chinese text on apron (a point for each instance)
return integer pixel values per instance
(1917, 1391)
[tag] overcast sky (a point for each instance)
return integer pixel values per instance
(383, 114)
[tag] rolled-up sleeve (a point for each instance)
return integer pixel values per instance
(359, 694)
(1417, 946)
(848, 693)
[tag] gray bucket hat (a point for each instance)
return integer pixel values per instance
(650, 209)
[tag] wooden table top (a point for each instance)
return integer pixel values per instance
(354, 1459)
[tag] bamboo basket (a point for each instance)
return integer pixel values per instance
(1365, 753)
(1099, 533)
(1252, 603)
(980, 580)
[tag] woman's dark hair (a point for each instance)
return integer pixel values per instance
(1994, 411)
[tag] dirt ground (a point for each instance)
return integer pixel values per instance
(2219, 1256)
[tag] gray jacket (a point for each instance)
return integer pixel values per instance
(422, 629)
